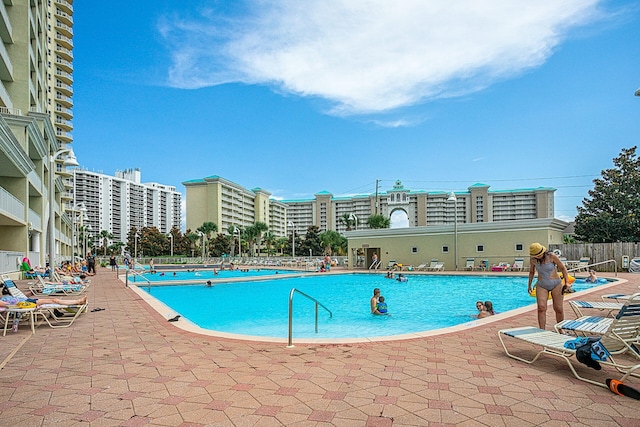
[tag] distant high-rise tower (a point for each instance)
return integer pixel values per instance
(36, 90)
(118, 203)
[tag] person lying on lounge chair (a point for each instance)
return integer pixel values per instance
(9, 300)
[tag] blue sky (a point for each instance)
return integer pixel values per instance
(324, 95)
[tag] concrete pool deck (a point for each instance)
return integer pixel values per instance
(128, 366)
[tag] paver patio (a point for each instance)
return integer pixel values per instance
(128, 366)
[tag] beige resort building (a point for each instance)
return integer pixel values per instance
(480, 223)
(36, 90)
(489, 242)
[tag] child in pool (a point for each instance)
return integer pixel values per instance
(381, 307)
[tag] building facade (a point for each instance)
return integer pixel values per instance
(225, 203)
(118, 203)
(36, 66)
(422, 208)
(490, 243)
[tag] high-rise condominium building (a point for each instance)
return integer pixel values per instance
(36, 66)
(118, 203)
(226, 203)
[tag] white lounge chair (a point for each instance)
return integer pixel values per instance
(553, 344)
(51, 313)
(439, 266)
(470, 264)
(625, 326)
(583, 264)
(421, 267)
(59, 315)
(518, 264)
(577, 306)
(46, 288)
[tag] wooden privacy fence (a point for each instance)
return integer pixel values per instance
(599, 252)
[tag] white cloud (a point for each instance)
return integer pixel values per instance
(370, 56)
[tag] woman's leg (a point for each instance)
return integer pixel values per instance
(558, 300)
(541, 299)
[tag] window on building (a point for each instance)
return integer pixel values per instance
(414, 250)
(479, 248)
(445, 249)
(519, 247)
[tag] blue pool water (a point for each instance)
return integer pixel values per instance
(423, 303)
(203, 275)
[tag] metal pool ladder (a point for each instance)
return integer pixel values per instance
(318, 303)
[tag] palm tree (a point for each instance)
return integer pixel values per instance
(106, 236)
(331, 240)
(259, 228)
(269, 241)
(378, 221)
(349, 221)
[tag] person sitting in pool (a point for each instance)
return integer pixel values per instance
(480, 308)
(592, 277)
(374, 300)
(487, 310)
(390, 274)
(401, 278)
(381, 306)
(9, 300)
(208, 284)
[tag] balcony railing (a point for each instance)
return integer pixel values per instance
(11, 205)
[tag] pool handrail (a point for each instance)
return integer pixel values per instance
(318, 303)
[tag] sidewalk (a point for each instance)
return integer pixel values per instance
(128, 366)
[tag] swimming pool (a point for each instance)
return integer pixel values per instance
(260, 308)
(202, 275)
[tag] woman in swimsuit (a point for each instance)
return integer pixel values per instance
(546, 264)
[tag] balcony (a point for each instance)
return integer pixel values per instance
(63, 99)
(64, 52)
(64, 112)
(11, 208)
(64, 17)
(67, 65)
(64, 136)
(64, 40)
(64, 28)
(64, 125)
(64, 76)
(65, 6)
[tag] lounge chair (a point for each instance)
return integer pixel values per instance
(421, 267)
(583, 264)
(518, 264)
(439, 266)
(553, 343)
(46, 288)
(470, 264)
(70, 312)
(484, 265)
(431, 265)
(617, 297)
(577, 307)
(59, 315)
(625, 326)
